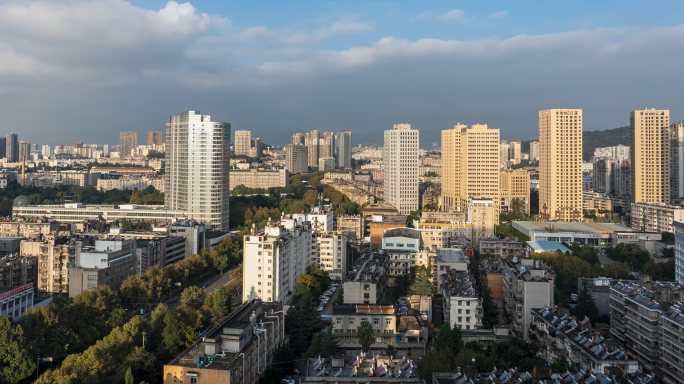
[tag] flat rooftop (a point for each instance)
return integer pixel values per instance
(547, 246)
(528, 227)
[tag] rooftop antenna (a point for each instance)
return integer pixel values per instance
(23, 171)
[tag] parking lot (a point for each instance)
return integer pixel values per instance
(331, 294)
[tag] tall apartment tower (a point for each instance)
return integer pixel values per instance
(400, 165)
(327, 145)
(297, 158)
(154, 138)
(676, 160)
(243, 142)
(12, 148)
(127, 142)
(534, 151)
(650, 155)
(343, 150)
(515, 152)
(470, 165)
(298, 138)
(560, 165)
(504, 151)
(312, 142)
(3, 147)
(24, 150)
(197, 168)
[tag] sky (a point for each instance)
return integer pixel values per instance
(79, 70)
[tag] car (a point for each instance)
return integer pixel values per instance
(204, 286)
(287, 381)
(319, 309)
(296, 372)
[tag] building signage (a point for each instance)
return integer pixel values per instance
(16, 290)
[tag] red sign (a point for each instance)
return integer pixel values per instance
(16, 290)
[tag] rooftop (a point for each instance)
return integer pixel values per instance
(547, 246)
(358, 369)
(537, 226)
(403, 232)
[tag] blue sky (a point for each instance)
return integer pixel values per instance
(81, 70)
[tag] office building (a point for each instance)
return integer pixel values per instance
(343, 146)
(534, 151)
(238, 350)
(259, 178)
(560, 165)
(679, 252)
(12, 148)
(127, 142)
(14, 301)
(243, 142)
(297, 158)
(677, 160)
(154, 138)
(312, 142)
(197, 168)
(515, 154)
(107, 263)
(3, 147)
(400, 164)
(131, 183)
(650, 155)
(298, 138)
(514, 184)
(655, 217)
(470, 165)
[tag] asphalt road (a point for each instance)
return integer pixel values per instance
(327, 310)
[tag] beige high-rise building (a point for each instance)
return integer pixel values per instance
(560, 165)
(298, 138)
(400, 164)
(504, 151)
(154, 138)
(514, 184)
(127, 142)
(514, 155)
(650, 155)
(327, 145)
(296, 158)
(243, 142)
(470, 165)
(312, 142)
(534, 151)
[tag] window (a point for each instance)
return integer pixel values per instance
(92, 286)
(339, 321)
(193, 380)
(92, 277)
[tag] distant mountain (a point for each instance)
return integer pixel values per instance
(594, 139)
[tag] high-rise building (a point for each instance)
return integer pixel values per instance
(470, 165)
(343, 149)
(105, 150)
(127, 142)
(12, 148)
(677, 160)
(327, 145)
(197, 168)
(3, 147)
(400, 164)
(560, 165)
(534, 151)
(45, 150)
(255, 150)
(312, 142)
(298, 138)
(297, 158)
(24, 150)
(513, 185)
(650, 155)
(243, 142)
(154, 138)
(504, 151)
(515, 153)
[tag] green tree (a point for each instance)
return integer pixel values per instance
(171, 336)
(585, 307)
(15, 363)
(193, 297)
(330, 344)
(435, 361)
(128, 379)
(490, 316)
(391, 349)
(422, 286)
(366, 335)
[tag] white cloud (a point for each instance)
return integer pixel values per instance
(422, 16)
(451, 15)
(297, 38)
(499, 14)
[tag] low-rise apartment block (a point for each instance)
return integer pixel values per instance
(655, 217)
(17, 270)
(30, 229)
(352, 225)
(367, 282)
(597, 201)
(259, 178)
(10, 245)
(462, 306)
(55, 255)
(237, 351)
(106, 262)
(502, 247)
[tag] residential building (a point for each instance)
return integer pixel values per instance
(400, 163)
(403, 247)
(528, 284)
(17, 270)
(154, 138)
(598, 288)
(194, 233)
(502, 247)
(462, 306)
(274, 257)
(329, 252)
(237, 351)
(504, 151)
(598, 235)
(3, 148)
(193, 143)
(326, 145)
(352, 225)
(515, 152)
(376, 226)
(597, 201)
(312, 142)
(14, 301)
(534, 151)
(569, 339)
(55, 254)
(343, 146)
(470, 166)
(647, 317)
(514, 184)
(259, 178)
(622, 176)
(298, 138)
(320, 219)
(127, 142)
(602, 175)
(296, 158)
(560, 165)
(339, 175)
(677, 160)
(367, 282)
(77, 212)
(24, 150)
(679, 252)
(131, 183)
(650, 155)
(10, 245)
(256, 149)
(107, 262)
(326, 163)
(379, 208)
(655, 217)
(243, 142)
(618, 152)
(12, 148)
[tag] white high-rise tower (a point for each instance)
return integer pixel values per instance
(197, 168)
(400, 164)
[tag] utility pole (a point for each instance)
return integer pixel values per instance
(143, 334)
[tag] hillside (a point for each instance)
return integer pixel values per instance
(594, 139)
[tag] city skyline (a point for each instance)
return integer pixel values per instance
(273, 72)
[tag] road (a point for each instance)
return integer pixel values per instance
(327, 310)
